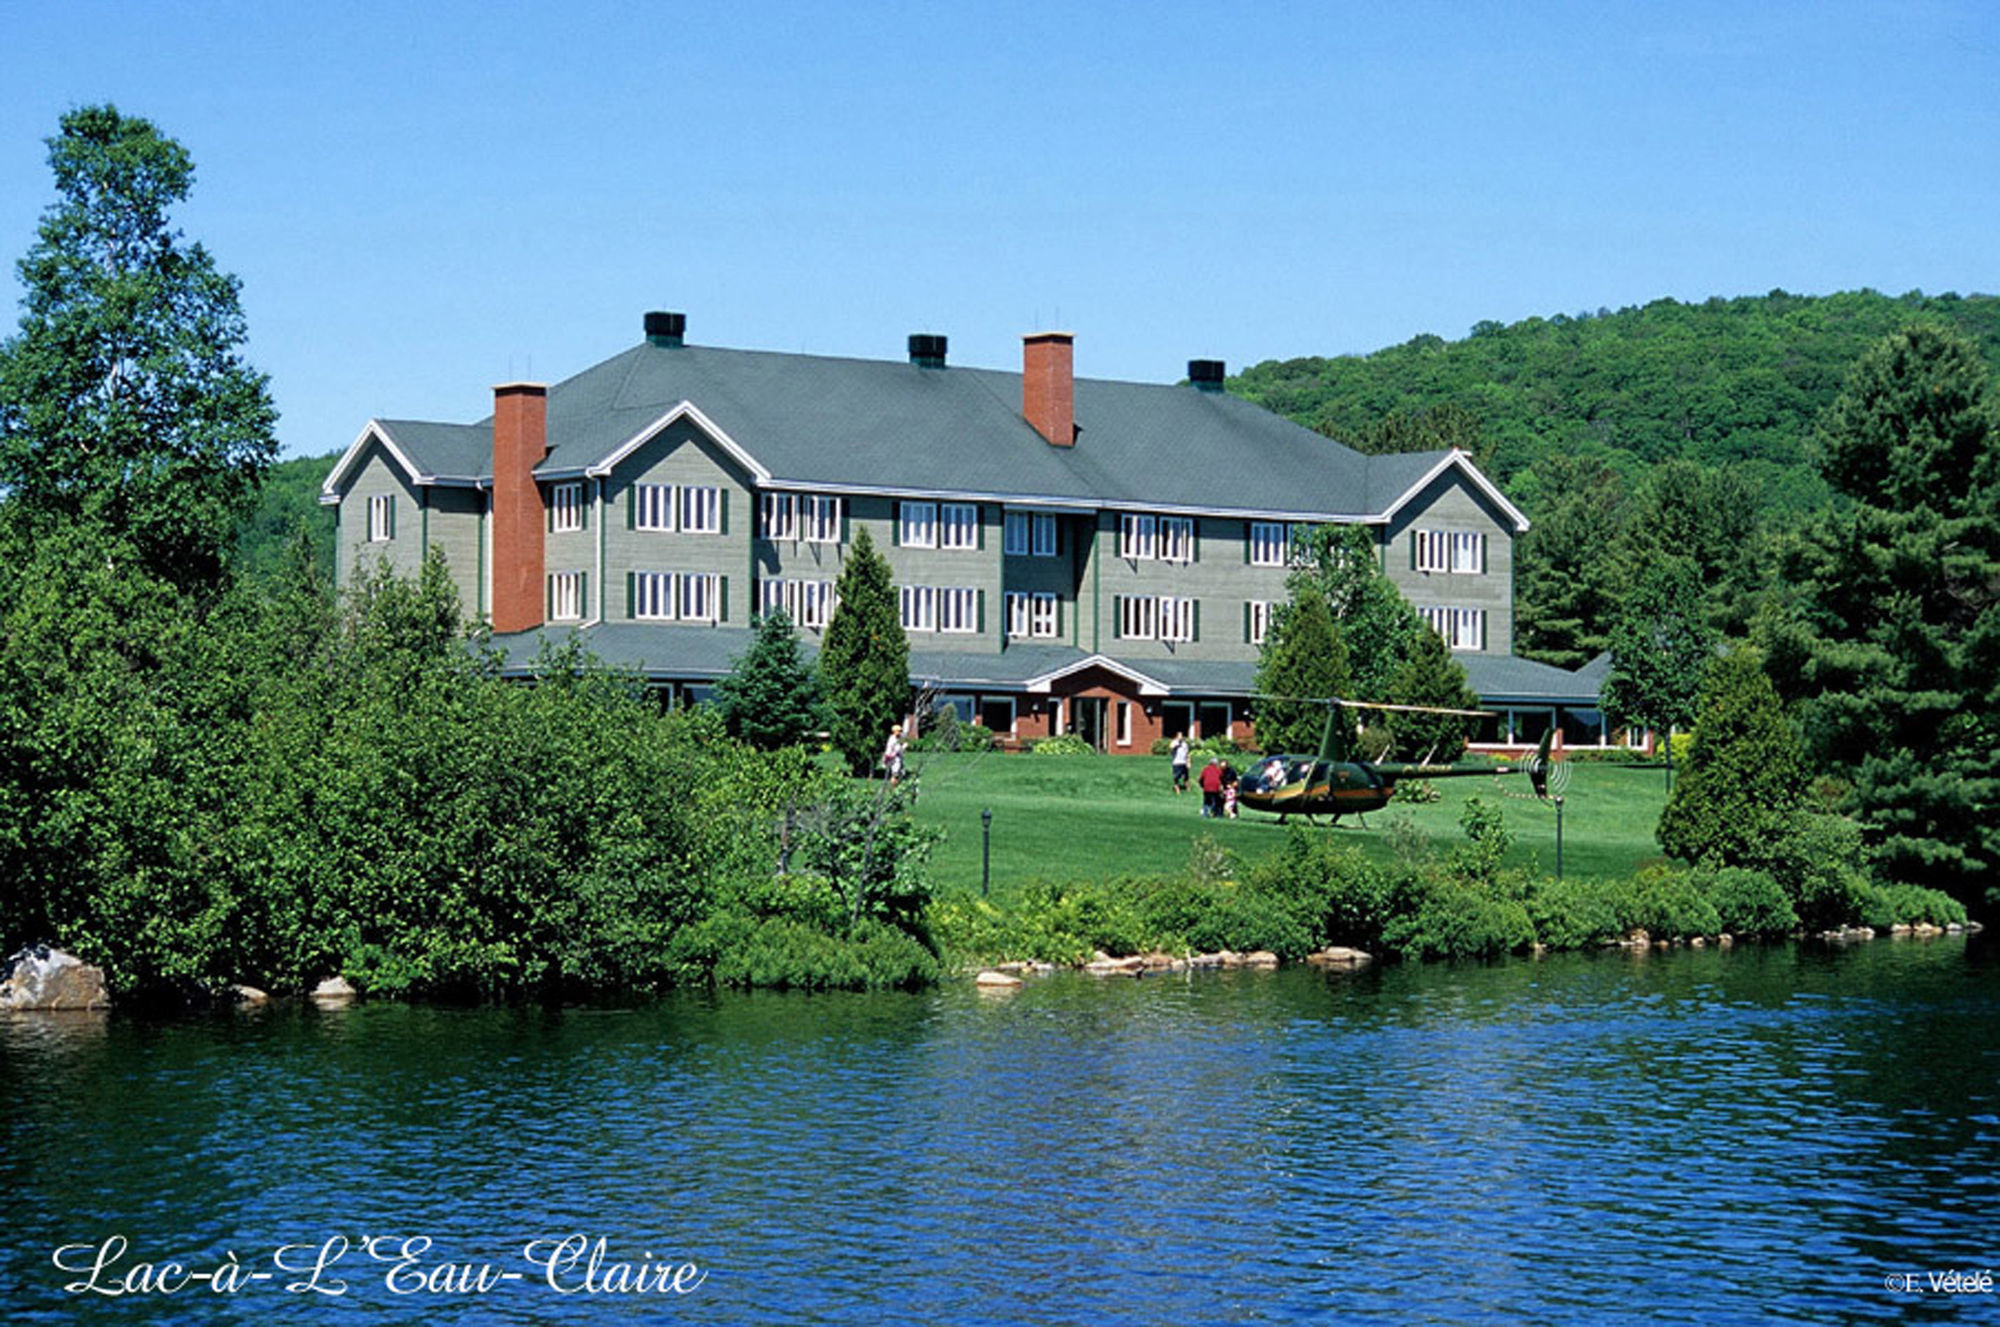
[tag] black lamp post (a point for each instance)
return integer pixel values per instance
(985, 851)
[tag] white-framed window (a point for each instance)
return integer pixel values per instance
(809, 604)
(958, 609)
(1047, 616)
(1176, 539)
(1015, 528)
(958, 525)
(1177, 618)
(1017, 615)
(1257, 620)
(1270, 544)
(700, 510)
(1468, 552)
(653, 507)
(917, 525)
(781, 515)
(1431, 550)
(1045, 534)
(1124, 723)
(565, 508)
(1461, 628)
(653, 595)
(566, 595)
(1139, 617)
(1136, 537)
(919, 607)
(819, 519)
(701, 598)
(381, 518)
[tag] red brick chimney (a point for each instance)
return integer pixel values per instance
(1048, 385)
(520, 441)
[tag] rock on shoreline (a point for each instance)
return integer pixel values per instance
(40, 978)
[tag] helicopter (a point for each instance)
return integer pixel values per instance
(1337, 783)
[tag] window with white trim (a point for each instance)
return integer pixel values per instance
(381, 518)
(809, 604)
(1136, 537)
(819, 519)
(919, 607)
(1176, 618)
(958, 525)
(700, 511)
(1015, 526)
(1432, 550)
(1017, 615)
(1176, 539)
(1468, 552)
(653, 507)
(1139, 617)
(1461, 628)
(701, 600)
(566, 595)
(958, 609)
(781, 515)
(1124, 723)
(565, 508)
(653, 595)
(1045, 534)
(1270, 544)
(1259, 620)
(1047, 617)
(917, 526)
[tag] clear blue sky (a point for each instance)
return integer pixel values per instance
(425, 199)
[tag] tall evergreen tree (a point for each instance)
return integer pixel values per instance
(1429, 676)
(1742, 797)
(1896, 638)
(124, 399)
(1303, 662)
(771, 697)
(864, 661)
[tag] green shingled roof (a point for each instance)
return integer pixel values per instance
(887, 426)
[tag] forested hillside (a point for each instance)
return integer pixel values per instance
(1670, 431)
(1728, 383)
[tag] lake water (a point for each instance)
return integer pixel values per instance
(1768, 1134)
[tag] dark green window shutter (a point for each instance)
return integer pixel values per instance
(1194, 538)
(846, 517)
(1059, 617)
(548, 509)
(895, 525)
(980, 624)
(583, 505)
(392, 516)
(1413, 550)
(725, 511)
(1249, 540)
(1246, 621)
(631, 594)
(979, 532)
(1118, 617)
(631, 506)
(1196, 633)
(722, 590)
(548, 597)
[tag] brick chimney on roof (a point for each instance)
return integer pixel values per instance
(520, 441)
(1048, 385)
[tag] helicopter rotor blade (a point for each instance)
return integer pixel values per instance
(1369, 705)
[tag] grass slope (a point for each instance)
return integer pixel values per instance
(1096, 817)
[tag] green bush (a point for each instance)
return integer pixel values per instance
(1910, 905)
(1747, 903)
(1571, 914)
(1062, 744)
(1667, 905)
(1444, 918)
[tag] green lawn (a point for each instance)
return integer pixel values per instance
(1071, 817)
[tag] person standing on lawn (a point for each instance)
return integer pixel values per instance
(1179, 758)
(1211, 788)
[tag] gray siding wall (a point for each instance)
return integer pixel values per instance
(978, 569)
(1452, 503)
(1220, 579)
(681, 455)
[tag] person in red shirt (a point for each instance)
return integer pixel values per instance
(1211, 788)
